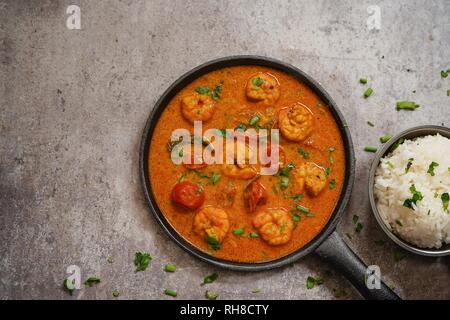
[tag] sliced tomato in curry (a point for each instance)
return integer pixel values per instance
(188, 195)
(255, 194)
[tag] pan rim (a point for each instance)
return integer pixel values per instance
(237, 60)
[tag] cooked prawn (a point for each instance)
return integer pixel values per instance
(311, 176)
(263, 87)
(197, 107)
(274, 225)
(296, 122)
(212, 222)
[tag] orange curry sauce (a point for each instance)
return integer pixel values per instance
(233, 108)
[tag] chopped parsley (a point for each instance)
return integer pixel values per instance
(91, 281)
(368, 93)
(258, 81)
(214, 93)
(296, 217)
(417, 196)
(431, 168)
(303, 153)
(142, 260)
(407, 105)
(363, 80)
(215, 178)
(210, 278)
(370, 124)
(396, 144)
(170, 267)
(211, 295)
(408, 165)
(239, 232)
(213, 243)
(385, 138)
(311, 282)
(445, 200)
(254, 235)
(332, 184)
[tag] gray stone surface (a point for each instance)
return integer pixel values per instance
(74, 102)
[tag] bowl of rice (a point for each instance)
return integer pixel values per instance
(409, 187)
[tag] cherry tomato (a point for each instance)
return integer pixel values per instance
(188, 195)
(255, 194)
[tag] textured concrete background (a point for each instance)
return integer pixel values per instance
(74, 102)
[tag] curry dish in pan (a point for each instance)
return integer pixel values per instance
(230, 210)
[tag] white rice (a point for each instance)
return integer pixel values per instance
(428, 225)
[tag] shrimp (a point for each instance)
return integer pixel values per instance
(311, 176)
(296, 122)
(263, 87)
(274, 225)
(197, 107)
(212, 222)
(241, 170)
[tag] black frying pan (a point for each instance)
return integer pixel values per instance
(327, 244)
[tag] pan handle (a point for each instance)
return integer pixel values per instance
(337, 253)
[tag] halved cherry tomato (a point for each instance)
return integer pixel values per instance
(255, 194)
(188, 195)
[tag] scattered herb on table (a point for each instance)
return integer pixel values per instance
(444, 73)
(431, 168)
(398, 222)
(170, 292)
(311, 282)
(355, 219)
(370, 149)
(110, 260)
(370, 124)
(211, 295)
(359, 227)
(448, 93)
(69, 285)
(399, 255)
(349, 235)
(256, 290)
(115, 293)
(210, 278)
(368, 93)
(363, 80)
(170, 267)
(91, 281)
(407, 105)
(339, 293)
(142, 260)
(385, 138)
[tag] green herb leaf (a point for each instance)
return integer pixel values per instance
(445, 200)
(444, 73)
(355, 219)
(213, 243)
(396, 144)
(368, 93)
(142, 260)
(398, 223)
(408, 165)
(417, 196)
(327, 171)
(170, 267)
(431, 168)
(215, 178)
(286, 170)
(359, 227)
(254, 235)
(69, 285)
(116, 293)
(238, 232)
(254, 120)
(363, 80)
(284, 182)
(258, 81)
(202, 90)
(303, 153)
(296, 217)
(370, 149)
(311, 282)
(170, 292)
(256, 290)
(241, 126)
(407, 105)
(390, 165)
(332, 184)
(302, 209)
(210, 278)
(399, 255)
(211, 295)
(385, 138)
(91, 281)
(370, 124)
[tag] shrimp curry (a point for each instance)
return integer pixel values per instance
(230, 210)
